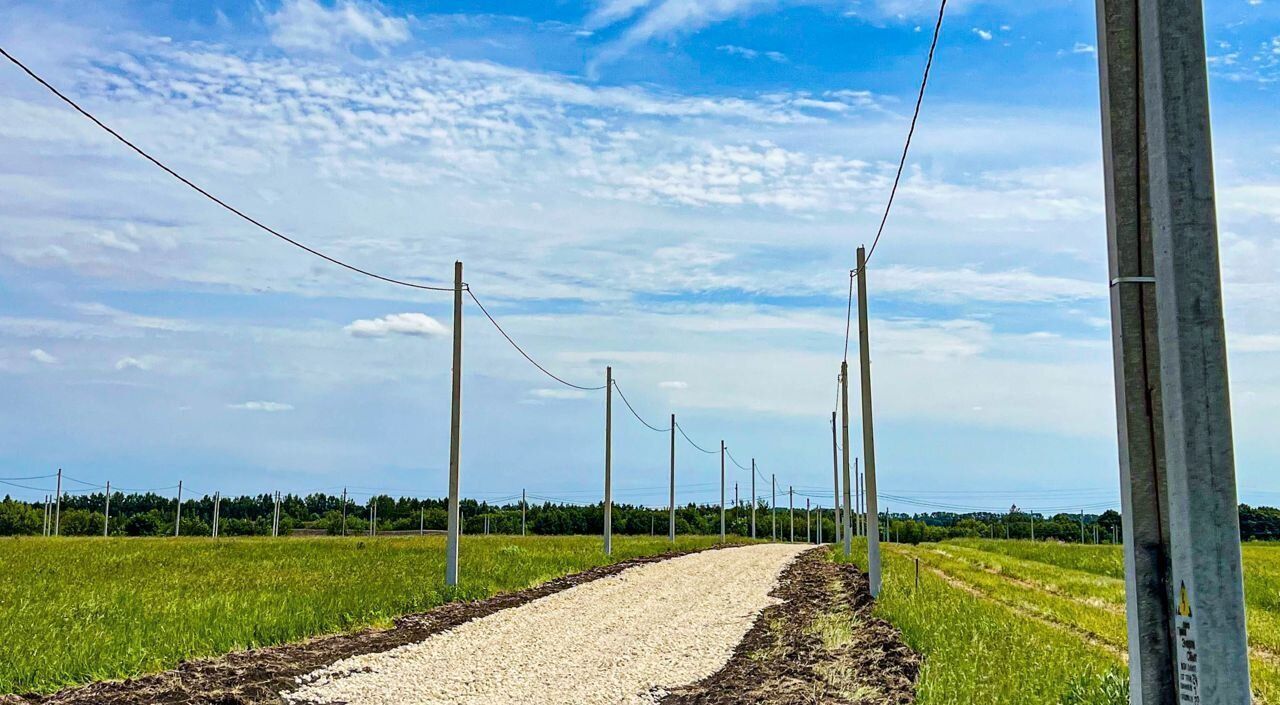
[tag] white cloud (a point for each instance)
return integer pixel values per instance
(135, 363)
(415, 324)
(43, 357)
(267, 406)
(558, 394)
(673, 384)
(310, 25)
(744, 52)
(983, 34)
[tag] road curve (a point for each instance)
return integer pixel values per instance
(621, 639)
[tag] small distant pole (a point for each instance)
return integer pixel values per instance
(1033, 525)
(835, 472)
(106, 513)
(773, 506)
(651, 525)
(422, 520)
(917, 573)
(737, 503)
(369, 531)
(819, 525)
(217, 512)
(47, 514)
(753, 498)
(177, 517)
(1081, 527)
(57, 512)
(808, 527)
(672, 530)
(375, 516)
(344, 511)
(523, 507)
(845, 528)
(791, 494)
(722, 492)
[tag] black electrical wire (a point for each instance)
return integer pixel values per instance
(633, 411)
(695, 445)
(526, 355)
(198, 189)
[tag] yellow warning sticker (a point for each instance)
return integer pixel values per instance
(1184, 604)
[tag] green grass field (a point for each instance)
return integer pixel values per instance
(1016, 622)
(79, 610)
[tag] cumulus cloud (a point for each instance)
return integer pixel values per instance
(43, 357)
(267, 406)
(673, 384)
(310, 25)
(414, 324)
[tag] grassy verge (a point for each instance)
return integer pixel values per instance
(79, 610)
(1078, 591)
(977, 650)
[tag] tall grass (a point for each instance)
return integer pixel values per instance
(977, 650)
(1080, 589)
(78, 610)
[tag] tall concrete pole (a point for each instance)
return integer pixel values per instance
(753, 498)
(835, 472)
(819, 512)
(344, 511)
(868, 431)
(773, 506)
(808, 521)
(671, 530)
(57, 511)
(524, 506)
(722, 536)
(608, 464)
(106, 512)
(177, 518)
(844, 425)
(791, 502)
(455, 431)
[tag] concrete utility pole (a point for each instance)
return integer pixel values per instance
(808, 520)
(177, 517)
(422, 520)
(671, 531)
(523, 508)
(819, 525)
(1178, 489)
(773, 508)
(791, 502)
(737, 503)
(858, 521)
(455, 438)
(217, 513)
(868, 430)
(753, 498)
(844, 426)
(722, 536)
(1081, 527)
(106, 512)
(835, 472)
(57, 511)
(344, 511)
(608, 464)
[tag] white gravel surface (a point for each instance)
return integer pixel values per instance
(619, 639)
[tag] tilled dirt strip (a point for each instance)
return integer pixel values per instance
(820, 645)
(621, 640)
(257, 676)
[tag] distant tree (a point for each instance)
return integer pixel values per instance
(20, 518)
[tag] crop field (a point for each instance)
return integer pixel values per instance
(80, 610)
(1022, 622)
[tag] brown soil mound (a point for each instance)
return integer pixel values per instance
(821, 645)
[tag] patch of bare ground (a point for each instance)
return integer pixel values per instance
(258, 676)
(820, 645)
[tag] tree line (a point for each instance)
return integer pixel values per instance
(150, 514)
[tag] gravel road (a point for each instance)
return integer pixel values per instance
(622, 639)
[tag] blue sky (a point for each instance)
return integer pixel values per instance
(673, 187)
